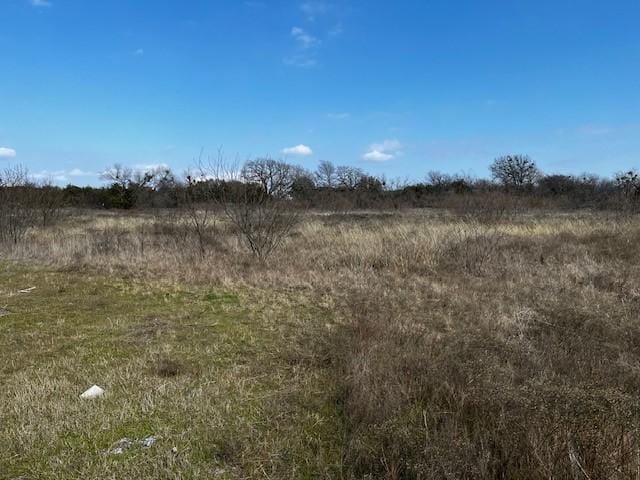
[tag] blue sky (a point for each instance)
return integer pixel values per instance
(395, 87)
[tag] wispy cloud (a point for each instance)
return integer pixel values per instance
(302, 150)
(336, 30)
(306, 49)
(151, 167)
(383, 152)
(41, 3)
(314, 8)
(63, 176)
(6, 153)
(300, 60)
(304, 39)
(591, 130)
(76, 172)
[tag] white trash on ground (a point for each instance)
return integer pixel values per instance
(125, 444)
(120, 446)
(93, 392)
(149, 441)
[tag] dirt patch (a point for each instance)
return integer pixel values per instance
(149, 328)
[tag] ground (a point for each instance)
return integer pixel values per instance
(423, 344)
(219, 375)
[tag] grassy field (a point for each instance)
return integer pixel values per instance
(219, 375)
(411, 345)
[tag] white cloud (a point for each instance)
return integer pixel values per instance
(391, 146)
(41, 3)
(301, 61)
(306, 50)
(76, 172)
(591, 130)
(304, 39)
(59, 176)
(6, 152)
(314, 8)
(151, 167)
(62, 176)
(298, 150)
(382, 152)
(377, 156)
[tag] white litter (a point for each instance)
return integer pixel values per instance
(120, 447)
(27, 290)
(93, 392)
(149, 441)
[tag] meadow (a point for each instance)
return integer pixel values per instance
(409, 344)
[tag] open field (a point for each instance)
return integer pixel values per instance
(416, 344)
(211, 372)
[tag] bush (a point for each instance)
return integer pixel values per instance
(17, 205)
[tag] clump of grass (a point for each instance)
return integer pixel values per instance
(167, 367)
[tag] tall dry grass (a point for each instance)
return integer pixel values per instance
(464, 347)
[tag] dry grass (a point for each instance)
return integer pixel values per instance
(219, 375)
(458, 347)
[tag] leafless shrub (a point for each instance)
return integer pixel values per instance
(255, 200)
(17, 202)
(197, 211)
(47, 200)
(263, 224)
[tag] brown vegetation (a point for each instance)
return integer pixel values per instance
(494, 344)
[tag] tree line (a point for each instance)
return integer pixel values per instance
(263, 199)
(334, 186)
(328, 187)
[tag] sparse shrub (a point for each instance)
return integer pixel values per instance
(17, 205)
(198, 212)
(256, 200)
(263, 224)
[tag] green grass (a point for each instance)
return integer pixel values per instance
(243, 397)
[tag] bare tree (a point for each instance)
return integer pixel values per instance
(326, 175)
(629, 184)
(118, 174)
(255, 199)
(349, 177)
(515, 171)
(129, 185)
(275, 177)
